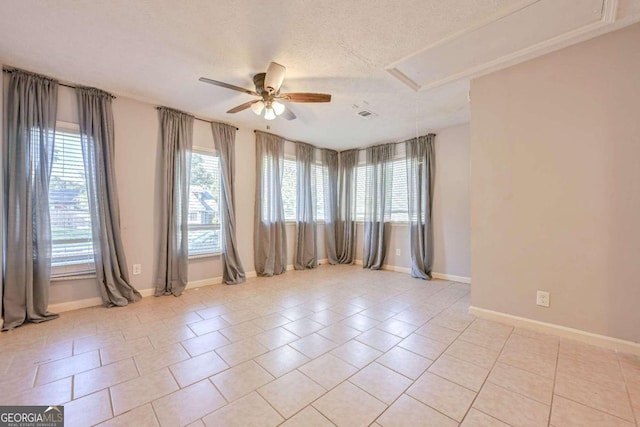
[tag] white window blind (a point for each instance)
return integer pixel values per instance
(289, 189)
(72, 241)
(204, 204)
(361, 185)
(399, 200)
(321, 181)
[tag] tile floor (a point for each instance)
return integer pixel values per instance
(335, 346)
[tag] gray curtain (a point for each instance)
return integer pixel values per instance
(270, 238)
(421, 169)
(346, 233)
(330, 182)
(377, 209)
(306, 229)
(96, 133)
(31, 120)
(224, 138)
(176, 139)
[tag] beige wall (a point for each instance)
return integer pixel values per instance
(555, 187)
(451, 222)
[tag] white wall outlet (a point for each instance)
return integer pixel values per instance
(542, 298)
(137, 269)
(397, 252)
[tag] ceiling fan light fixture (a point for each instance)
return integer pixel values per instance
(277, 107)
(257, 107)
(269, 114)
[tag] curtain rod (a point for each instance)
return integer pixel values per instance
(70, 85)
(199, 119)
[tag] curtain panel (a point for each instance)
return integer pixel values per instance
(377, 208)
(306, 229)
(346, 224)
(97, 138)
(270, 238)
(421, 169)
(224, 138)
(30, 134)
(330, 183)
(176, 140)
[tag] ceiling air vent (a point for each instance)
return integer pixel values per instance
(366, 114)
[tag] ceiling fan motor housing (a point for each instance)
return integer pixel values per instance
(258, 80)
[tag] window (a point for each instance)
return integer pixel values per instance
(204, 204)
(289, 189)
(71, 233)
(399, 198)
(361, 185)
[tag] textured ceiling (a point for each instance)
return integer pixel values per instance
(155, 50)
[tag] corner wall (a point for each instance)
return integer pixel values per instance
(555, 187)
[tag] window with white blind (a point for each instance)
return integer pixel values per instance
(289, 189)
(321, 181)
(399, 199)
(71, 234)
(204, 204)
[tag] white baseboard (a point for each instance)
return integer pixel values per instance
(407, 270)
(558, 330)
(250, 274)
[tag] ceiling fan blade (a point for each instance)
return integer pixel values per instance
(274, 77)
(242, 106)
(305, 97)
(288, 114)
(228, 86)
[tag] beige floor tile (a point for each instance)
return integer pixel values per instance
(241, 380)
(172, 335)
(327, 317)
(568, 413)
(423, 346)
(296, 313)
(483, 339)
(634, 394)
(378, 313)
(275, 338)
(133, 393)
(449, 398)
(96, 379)
(308, 417)
(197, 368)
(205, 343)
(116, 352)
(197, 423)
(209, 325)
(356, 353)
(327, 370)
(56, 393)
(510, 407)
(154, 360)
(96, 342)
(303, 327)
(18, 380)
(250, 411)
(347, 405)
(528, 384)
(397, 327)
(481, 356)
(360, 322)
(460, 372)
(182, 318)
(88, 410)
(270, 321)
(533, 344)
(378, 339)
(415, 317)
(381, 382)
(240, 316)
(606, 399)
(453, 320)
(313, 345)
(476, 418)
(588, 353)
(211, 312)
(409, 412)
(290, 393)
(142, 416)
(241, 351)
(607, 375)
(405, 362)
(339, 334)
(188, 404)
(281, 360)
(240, 331)
(66, 367)
(529, 361)
(438, 333)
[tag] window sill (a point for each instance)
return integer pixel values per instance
(69, 277)
(201, 256)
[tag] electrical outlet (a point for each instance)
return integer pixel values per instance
(542, 298)
(137, 269)
(397, 252)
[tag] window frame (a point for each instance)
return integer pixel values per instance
(207, 151)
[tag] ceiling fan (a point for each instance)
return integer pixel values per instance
(268, 89)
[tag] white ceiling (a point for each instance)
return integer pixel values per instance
(155, 50)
